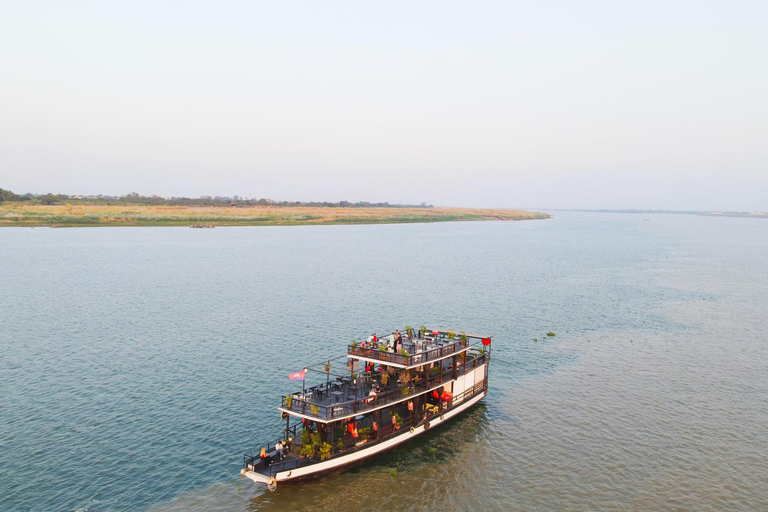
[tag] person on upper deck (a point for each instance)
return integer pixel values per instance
(279, 450)
(374, 338)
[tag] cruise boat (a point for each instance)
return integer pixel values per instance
(382, 393)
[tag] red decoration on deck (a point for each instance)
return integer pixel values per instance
(435, 333)
(486, 341)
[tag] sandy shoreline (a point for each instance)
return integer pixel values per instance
(85, 215)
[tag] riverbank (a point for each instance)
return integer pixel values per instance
(84, 215)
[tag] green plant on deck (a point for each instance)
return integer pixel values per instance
(340, 445)
(383, 348)
(384, 379)
(288, 401)
(315, 409)
(462, 336)
(422, 331)
(398, 420)
(403, 352)
(354, 343)
(307, 448)
(451, 335)
(406, 391)
(325, 451)
(409, 330)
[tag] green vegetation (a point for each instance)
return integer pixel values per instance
(551, 334)
(325, 451)
(310, 444)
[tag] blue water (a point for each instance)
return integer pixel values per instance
(138, 364)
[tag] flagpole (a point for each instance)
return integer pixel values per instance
(303, 381)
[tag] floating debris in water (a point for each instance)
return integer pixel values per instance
(551, 334)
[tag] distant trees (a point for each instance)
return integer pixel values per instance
(222, 201)
(7, 195)
(49, 199)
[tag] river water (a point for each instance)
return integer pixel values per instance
(138, 364)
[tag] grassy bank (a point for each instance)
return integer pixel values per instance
(18, 214)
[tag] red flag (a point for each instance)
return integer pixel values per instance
(486, 341)
(297, 375)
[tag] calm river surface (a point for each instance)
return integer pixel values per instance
(138, 364)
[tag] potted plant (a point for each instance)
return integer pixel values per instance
(463, 336)
(384, 379)
(315, 409)
(354, 343)
(422, 331)
(325, 451)
(451, 334)
(307, 448)
(409, 330)
(288, 401)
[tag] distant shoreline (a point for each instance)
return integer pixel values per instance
(93, 215)
(754, 215)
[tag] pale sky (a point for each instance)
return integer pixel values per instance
(548, 104)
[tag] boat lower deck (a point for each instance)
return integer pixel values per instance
(294, 468)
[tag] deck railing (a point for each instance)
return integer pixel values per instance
(418, 358)
(366, 403)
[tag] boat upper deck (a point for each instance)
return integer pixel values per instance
(416, 349)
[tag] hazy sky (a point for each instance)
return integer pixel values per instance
(556, 104)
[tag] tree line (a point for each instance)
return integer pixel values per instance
(154, 200)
